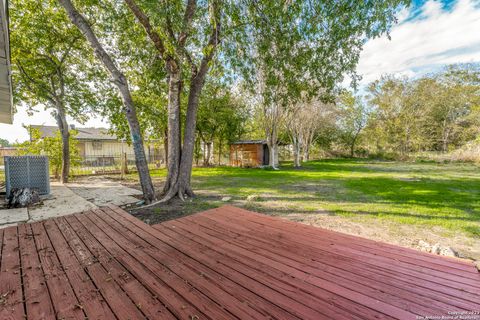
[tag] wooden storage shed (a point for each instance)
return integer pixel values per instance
(249, 153)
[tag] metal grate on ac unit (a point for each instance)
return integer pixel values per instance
(27, 171)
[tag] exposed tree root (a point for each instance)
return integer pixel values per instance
(174, 191)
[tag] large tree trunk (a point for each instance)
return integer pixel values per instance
(272, 143)
(445, 140)
(197, 150)
(122, 84)
(165, 146)
(174, 148)
(220, 152)
(184, 187)
(272, 148)
(352, 147)
(65, 134)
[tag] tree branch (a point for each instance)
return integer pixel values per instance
(152, 34)
(49, 96)
(187, 22)
(212, 44)
(69, 48)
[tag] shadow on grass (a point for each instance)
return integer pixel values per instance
(446, 195)
(450, 202)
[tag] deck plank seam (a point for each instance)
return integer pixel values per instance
(121, 262)
(102, 266)
(342, 252)
(166, 267)
(153, 233)
(268, 283)
(335, 275)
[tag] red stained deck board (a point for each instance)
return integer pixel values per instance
(300, 265)
(88, 296)
(224, 263)
(265, 240)
(261, 265)
(214, 272)
(350, 275)
(37, 298)
(64, 301)
(122, 291)
(158, 288)
(11, 305)
(183, 288)
(448, 264)
(376, 259)
(300, 300)
(109, 292)
(197, 279)
(367, 243)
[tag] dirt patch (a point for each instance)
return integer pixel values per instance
(175, 209)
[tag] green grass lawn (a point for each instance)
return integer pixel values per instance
(425, 194)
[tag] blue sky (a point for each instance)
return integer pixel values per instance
(429, 35)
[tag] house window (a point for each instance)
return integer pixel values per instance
(97, 145)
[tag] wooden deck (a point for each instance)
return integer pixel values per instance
(224, 263)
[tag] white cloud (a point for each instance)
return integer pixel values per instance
(434, 38)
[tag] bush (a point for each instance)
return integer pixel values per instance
(468, 153)
(51, 147)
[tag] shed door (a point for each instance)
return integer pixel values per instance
(266, 155)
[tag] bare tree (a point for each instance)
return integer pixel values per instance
(304, 120)
(121, 82)
(271, 115)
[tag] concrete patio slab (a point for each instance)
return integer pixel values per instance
(101, 191)
(104, 196)
(85, 194)
(12, 216)
(62, 201)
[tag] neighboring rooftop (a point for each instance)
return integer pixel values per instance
(83, 133)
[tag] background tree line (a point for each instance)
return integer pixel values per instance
(168, 69)
(394, 118)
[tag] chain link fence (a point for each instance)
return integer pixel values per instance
(113, 164)
(101, 164)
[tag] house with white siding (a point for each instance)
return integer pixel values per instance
(99, 146)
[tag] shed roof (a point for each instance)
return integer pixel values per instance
(250, 142)
(83, 133)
